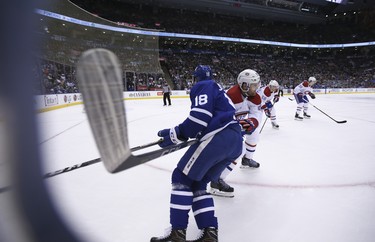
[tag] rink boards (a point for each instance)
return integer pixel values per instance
(46, 103)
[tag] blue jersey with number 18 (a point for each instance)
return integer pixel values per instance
(211, 111)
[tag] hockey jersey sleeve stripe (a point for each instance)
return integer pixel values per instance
(198, 121)
(202, 111)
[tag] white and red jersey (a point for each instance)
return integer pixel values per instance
(246, 107)
(266, 94)
(303, 88)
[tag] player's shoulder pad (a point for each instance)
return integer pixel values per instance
(235, 94)
(257, 100)
(267, 91)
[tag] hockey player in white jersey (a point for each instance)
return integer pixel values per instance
(300, 93)
(270, 96)
(248, 111)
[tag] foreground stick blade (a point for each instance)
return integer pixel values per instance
(100, 81)
(100, 78)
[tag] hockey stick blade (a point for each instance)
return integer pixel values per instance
(100, 78)
(341, 122)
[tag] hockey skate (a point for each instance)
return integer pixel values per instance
(221, 188)
(275, 125)
(207, 235)
(297, 117)
(249, 163)
(305, 115)
(172, 235)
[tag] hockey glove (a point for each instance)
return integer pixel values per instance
(312, 95)
(170, 137)
(249, 125)
(267, 112)
(305, 99)
(268, 105)
(276, 98)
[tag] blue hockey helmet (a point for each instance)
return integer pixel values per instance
(203, 72)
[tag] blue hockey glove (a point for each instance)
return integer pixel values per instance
(312, 95)
(276, 98)
(170, 137)
(249, 125)
(269, 105)
(267, 112)
(305, 99)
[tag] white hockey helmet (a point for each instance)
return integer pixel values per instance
(312, 80)
(246, 78)
(274, 83)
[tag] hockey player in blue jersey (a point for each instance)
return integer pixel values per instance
(219, 141)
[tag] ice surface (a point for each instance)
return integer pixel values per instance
(316, 182)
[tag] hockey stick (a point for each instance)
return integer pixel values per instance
(273, 104)
(263, 125)
(339, 122)
(90, 162)
(139, 159)
(71, 168)
(100, 78)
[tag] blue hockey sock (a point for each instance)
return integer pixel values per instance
(181, 200)
(204, 210)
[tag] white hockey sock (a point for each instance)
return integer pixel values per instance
(250, 150)
(227, 170)
(299, 110)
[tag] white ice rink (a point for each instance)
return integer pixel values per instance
(316, 182)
